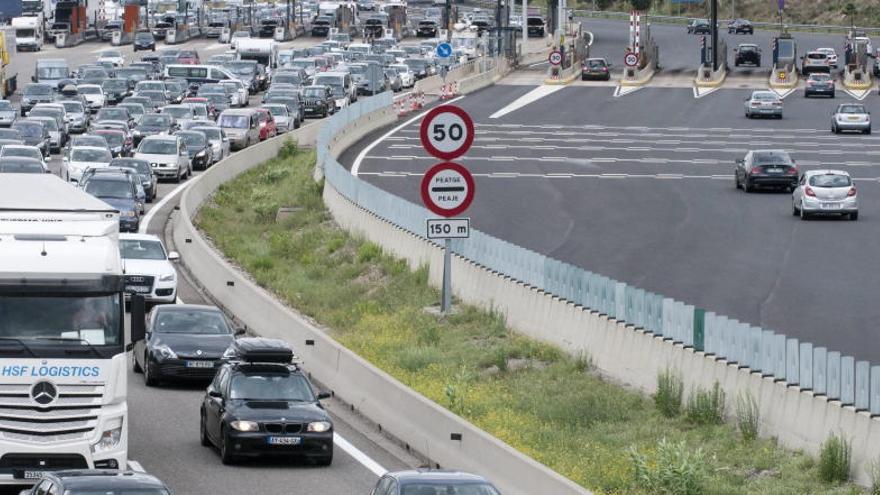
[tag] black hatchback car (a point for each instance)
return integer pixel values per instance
(595, 68)
(747, 54)
(198, 147)
(261, 404)
(91, 481)
(433, 482)
(740, 26)
(144, 40)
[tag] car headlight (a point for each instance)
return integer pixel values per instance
(129, 214)
(110, 438)
(319, 426)
(137, 132)
(165, 351)
(167, 277)
(244, 425)
(200, 154)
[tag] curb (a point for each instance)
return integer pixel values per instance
(711, 84)
(638, 82)
(566, 80)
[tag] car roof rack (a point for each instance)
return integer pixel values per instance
(261, 350)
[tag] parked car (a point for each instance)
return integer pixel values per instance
(851, 117)
(825, 192)
(766, 168)
(747, 54)
(763, 103)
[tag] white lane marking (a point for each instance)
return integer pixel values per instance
(145, 224)
(359, 456)
(136, 466)
(356, 166)
(625, 90)
(858, 94)
(530, 97)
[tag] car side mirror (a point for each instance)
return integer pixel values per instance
(215, 393)
(324, 395)
(240, 331)
(173, 256)
(34, 78)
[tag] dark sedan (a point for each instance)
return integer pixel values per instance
(144, 40)
(428, 28)
(152, 124)
(149, 180)
(433, 481)
(766, 168)
(595, 68)
(119, 142)
(199, 148)
(182, 341)
(115, 90)
(740, 26)
(747, 54)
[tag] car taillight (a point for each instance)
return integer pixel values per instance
(756, 104)
(756, 170)
(851, 192)
(809, 191)
(793, 170)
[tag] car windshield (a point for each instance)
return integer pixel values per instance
(10, 134)
(143, 37)
(194, 139)
(194, 321)
(112, 114)
(178, 112)
(94, 74)
(277, 110)
(133, 109)
(158, 147)
(597, 64)
(118, 491)
(25, 152)
(210, 132)
(6, 106)
(314, 92)
(820, 77)
(852, 109)
(101, 188)
(150, 86)
(111, 53)
(830, 180)
(90, 155)
(49, 123)
(28, 129)
(771, 158)
(446, 488)
(241, 69)
(114, 139)
(747, 48)
(141, 249)
(114, 85)
(140, 166)
(89, 90)
(59, 72)
(764, 96)
(73, 107)
(156, 120)
(37, 89)
(20, 167)
(817, 56)
(271, 386)
(234, 121)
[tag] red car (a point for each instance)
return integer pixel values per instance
(267, 124)
(188, 57)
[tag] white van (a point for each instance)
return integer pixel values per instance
(198, 74)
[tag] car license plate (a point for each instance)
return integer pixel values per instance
(22, 474)
(199, 364)
(852, 118)
(140, 289)
(285, 440)
(830, 206)
(774, 170)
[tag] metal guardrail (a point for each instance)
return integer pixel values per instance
(772, 354)
(669, 19)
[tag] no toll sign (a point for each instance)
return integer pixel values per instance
(447, 189)
(447, 132)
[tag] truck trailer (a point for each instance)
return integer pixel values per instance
(63, 363)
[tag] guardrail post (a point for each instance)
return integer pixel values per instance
(863, 385)
(767, 365)
(847, 380)
(820, 371)
(779, 357)
(875, 391)
(806, 366)
(833, 371)
(792, 362)
(755, 337)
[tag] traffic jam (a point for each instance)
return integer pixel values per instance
(121, 126)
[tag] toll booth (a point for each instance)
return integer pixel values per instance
(785, 52)
(397, 19)
(857, 52)
(130, 22)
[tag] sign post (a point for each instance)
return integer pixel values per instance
(447, 189)
(443, 52)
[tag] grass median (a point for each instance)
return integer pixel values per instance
(547, 404)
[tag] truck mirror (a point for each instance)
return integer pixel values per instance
(138, 318)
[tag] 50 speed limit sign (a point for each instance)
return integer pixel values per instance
(447, 132)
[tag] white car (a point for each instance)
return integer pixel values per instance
(832, 56)
(167, 156)
(149, 269)
(217, 138)
(20, 150)
(825, 192)
(240, 96)
(93, 94)
(112, 56)
(82, 157)
(851, 117)
(407, 78)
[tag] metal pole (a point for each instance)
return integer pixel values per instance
(714, 27)
(525, 25)
(446, 300)
(449, 21)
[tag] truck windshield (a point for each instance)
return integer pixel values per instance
(41, 320)
(24, 33)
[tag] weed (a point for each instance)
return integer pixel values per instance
(583, 362)
(748, 416)
(874, 472)
(674, 470)
(834, 459)
(414, 359)
(289, 149)
(368, 252)
(706, 407)
(670, 389)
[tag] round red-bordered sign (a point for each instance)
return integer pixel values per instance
(447, 189)
(447, 132)
(555, 58)
(631, 59)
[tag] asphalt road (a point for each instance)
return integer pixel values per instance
(640, 188)
(163, 430)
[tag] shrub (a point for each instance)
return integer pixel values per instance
(289, 148)
(875, 477)
(368, 252)
(672, 471)
(414, 359)
(834, 459)
(748, 416)
(669, 393)
(706, 407)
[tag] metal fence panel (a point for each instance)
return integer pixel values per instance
(847, 380)
(863, 385)
(875, 390)
(709, 337)
(806, 361)
(767, 363)
(620, 301)
(687, 325)
(820, 370)
(833, 371)
(668, 318)
(755, 336)
(792, 362)
(742, 344)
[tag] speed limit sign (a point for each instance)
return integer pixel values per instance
(631, 59)
(555, 57)
(447, 132)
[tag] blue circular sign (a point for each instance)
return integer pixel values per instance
(444, 50)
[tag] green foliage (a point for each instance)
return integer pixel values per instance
(642, 5)
(673, 470)
(874, 472)
(706, 407)
(368, 252)
(748, 416)
(289, 149)
(834, 459)
(670, 390)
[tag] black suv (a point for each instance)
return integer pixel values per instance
(427, 28)
(88, 481)
(321, 26)
(261, 404)
(747, 54)
(319, 100)
(699, 26)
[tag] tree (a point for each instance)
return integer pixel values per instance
(850, 10)
(642, 5)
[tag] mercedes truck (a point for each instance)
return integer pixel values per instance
(62, 330)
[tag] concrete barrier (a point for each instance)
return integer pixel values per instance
(789, 79)
(708, 78)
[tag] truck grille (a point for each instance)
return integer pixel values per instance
(72, 415)
(52, 462)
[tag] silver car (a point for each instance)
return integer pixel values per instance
(7, 113)
(825, 192)
(851, 117)
(217, 138)
(763, 103)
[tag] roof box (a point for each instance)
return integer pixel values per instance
(262, 350)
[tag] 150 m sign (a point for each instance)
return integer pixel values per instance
(449, 228)
(447, 132)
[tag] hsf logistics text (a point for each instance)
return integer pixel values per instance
(50, 371)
